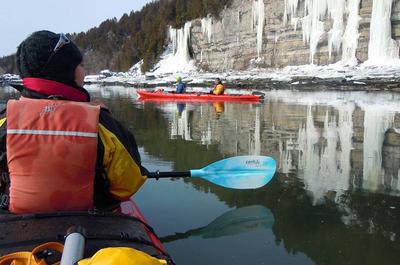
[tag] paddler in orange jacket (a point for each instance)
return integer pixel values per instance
(58, 151)
(219, 88)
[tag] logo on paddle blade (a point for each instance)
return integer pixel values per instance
(253, 163)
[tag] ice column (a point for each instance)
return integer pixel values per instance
(206, 27)
(257, 134)
(180, 126)
(259, 21)
(313, 27)
(285, 156)
(290, 10)
(308, 159)
(382, 48)
(176, 57)
(206, 137)
(346, 142)
(351, 34)
(315, 11)
(325, 167)
(180, 42)
(376, 122)
(336, 10)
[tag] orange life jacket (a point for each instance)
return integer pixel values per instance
(51, 154)
(219, 89)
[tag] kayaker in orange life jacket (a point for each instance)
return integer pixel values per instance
(219, 88)
(58, 151)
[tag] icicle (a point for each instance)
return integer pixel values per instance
(319, 162)
(259, 21)
(382, 48)
(257, 133)
(285, 157)
(315, 11)
(336, 9)
(308, 159)
(295, 22)
(290, 9)
(173, 36)
(376, 122)
(206, 27)
(182, 42)
(180, 126)
(351, 35)
(345, 131)
(180, 38)
(177, 58)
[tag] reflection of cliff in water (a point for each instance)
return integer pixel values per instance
(323, 151)
(361, 229)
(333, 145)
(335, 197)
(333, 148)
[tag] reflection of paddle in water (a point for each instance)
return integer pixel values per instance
(242, 220)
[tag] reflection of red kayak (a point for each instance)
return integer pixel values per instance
(164, 95)
(126, 227)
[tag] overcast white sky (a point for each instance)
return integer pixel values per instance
(19, 18)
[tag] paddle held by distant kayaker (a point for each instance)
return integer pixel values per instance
(180, 86)
(219, 88)
(59, 151)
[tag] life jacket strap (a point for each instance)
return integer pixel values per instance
(4, 196)
(4, 201)
(5, 178)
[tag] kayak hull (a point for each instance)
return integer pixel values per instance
(168, 96)
(125, 227)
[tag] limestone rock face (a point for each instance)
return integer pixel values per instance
(233, 42)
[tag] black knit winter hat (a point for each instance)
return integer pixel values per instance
(33, 58)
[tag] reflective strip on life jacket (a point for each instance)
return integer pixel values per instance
(51, 154)
(54, 133)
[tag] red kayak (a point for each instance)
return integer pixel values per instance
(125, 227)
(170, 96)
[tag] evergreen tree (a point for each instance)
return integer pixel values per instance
(119, 44)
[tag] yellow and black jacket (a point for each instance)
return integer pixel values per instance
(119, 173)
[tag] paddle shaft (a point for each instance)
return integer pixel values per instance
(158, 174)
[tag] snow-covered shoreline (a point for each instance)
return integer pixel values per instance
(334, 77)
(306, 77)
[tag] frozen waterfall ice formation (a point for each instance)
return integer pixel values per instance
(382, 49)
(177, 58)
(258, 23)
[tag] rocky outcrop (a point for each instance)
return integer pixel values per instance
(233, 43)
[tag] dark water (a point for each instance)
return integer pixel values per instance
(335, 197)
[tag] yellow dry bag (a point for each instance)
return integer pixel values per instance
(121, 255)
(30, 258)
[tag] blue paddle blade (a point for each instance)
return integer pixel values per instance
(241, 220)
(240, 172)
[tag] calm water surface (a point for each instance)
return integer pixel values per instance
(335, 198)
